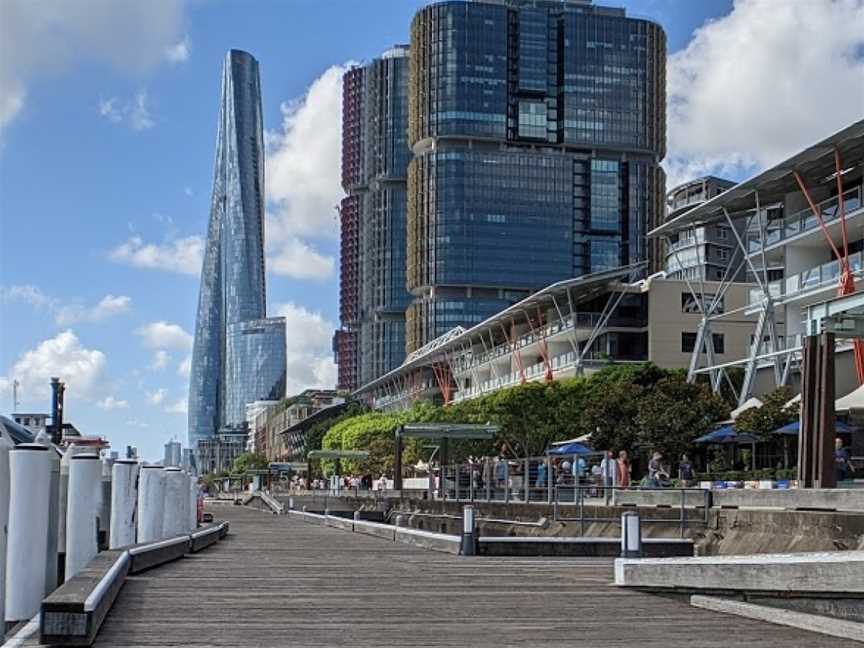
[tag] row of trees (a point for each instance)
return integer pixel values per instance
(633, 407)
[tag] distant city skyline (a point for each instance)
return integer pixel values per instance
(107, 116)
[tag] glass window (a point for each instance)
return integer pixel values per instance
(688, 342)
(532, 119)
(719, 343)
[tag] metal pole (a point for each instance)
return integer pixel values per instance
(489, 470)
(458, 475)
(548, 479)
(683, 512)
(506, 482)
(397, 470)
(526, 480)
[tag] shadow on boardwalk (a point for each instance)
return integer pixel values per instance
(275, 581)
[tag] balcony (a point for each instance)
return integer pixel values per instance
(824, 276)
(804, 220)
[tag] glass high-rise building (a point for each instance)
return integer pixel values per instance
(375, 157)
(232, 290)
(537, 129)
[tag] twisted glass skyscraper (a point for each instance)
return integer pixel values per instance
(232, 278)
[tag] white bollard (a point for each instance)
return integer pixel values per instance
(176, 502)
(82, 530)
(124, 496)
(51, 551)
(469, 531)
(151, 503)
(631, 535)
(5, 447)
(71, 451)
(193, 503)
(29, 499)
(105, 501)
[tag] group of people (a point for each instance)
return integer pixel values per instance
(618, 471)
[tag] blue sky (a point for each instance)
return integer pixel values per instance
(107, 126)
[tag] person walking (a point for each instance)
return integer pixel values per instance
(655, 470)
(686, 474)
(609, 471)
(624, 469)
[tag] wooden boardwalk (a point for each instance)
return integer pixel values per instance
(277, 581)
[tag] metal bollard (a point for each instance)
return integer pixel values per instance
(176, 501)
(401, 520)
(85, 483)
(631, 535)
(151, 503)
(5, 447)
(290, 503)
(469, 531)
(124, 494)
(29, 499)
(357, 516)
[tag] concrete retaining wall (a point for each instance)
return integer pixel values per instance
(840, 572)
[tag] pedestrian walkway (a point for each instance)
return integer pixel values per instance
(277, 581)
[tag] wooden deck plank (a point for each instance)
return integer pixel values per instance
(276, 581)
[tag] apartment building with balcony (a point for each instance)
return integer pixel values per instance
(803, 221)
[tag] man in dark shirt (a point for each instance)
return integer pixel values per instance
(842, 464)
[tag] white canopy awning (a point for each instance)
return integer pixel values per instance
(750, 403)
(855, 400)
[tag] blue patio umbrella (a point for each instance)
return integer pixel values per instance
(727, 434)
(794, 428)
(570, 449)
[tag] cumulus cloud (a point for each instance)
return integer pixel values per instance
(164, 335)
(185, 367)
(108, 306)
(41, 39)
(181, 255)
(111, 403)
(764, 81)
(179, 52)
(308, 348)
(63, 356)
(180, 406)
(160, 360)
(66, 314)
(156, 397)
(303, 178)
(294, 258)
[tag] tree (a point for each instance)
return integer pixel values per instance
(250, 461)
(773, 414)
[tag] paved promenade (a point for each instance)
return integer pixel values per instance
(276, 581)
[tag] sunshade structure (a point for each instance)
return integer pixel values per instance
(570, 449)
(728, 434)
(792, 429)
(750, 403)
(855, 400)
(441, 431)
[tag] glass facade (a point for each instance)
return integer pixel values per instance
(375, 150)
(255, 366)
(537, 129)
(232, 277)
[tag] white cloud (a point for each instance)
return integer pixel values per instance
(111, 403)
(185, 367)
(108, 306)
(163, 335)
(137, 423)
(66, 314)
(179, 52)
(160, 360)
(180, 406)
(768, 79)
(294, 258)
(308, 348)
(135, 112)
(82, 369)
(156, 397)
(42, 39)
(29, 294)
(303, 178)
(183, 255)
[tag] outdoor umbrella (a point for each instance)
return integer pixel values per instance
(727, 434)
(792, 429)
(570, 449)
